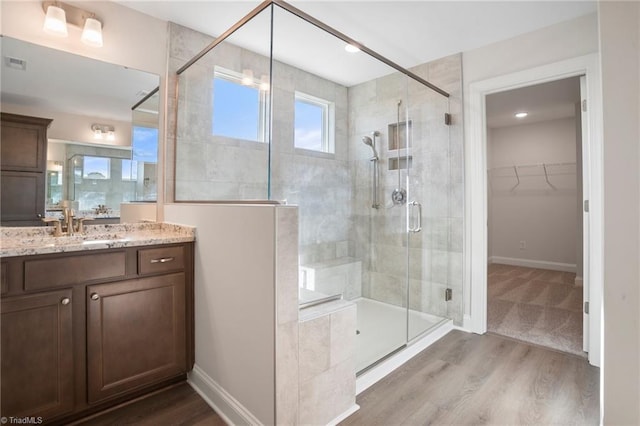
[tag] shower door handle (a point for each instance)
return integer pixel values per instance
(418, 227)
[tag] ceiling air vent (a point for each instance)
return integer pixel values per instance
(15, 63)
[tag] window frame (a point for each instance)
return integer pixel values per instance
(263, 102)
(328, 121)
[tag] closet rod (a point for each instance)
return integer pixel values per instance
(533, 165)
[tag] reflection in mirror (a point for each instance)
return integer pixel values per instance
(103, 141)
(96, 178)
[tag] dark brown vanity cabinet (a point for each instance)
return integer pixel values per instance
(23, 163)
(37, 355)
(136, 333)
(76, 342)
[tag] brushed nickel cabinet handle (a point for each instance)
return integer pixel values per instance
(95, 296)
(65, 301)
(163, 260)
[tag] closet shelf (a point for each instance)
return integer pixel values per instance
(538, 165)
(527, 170)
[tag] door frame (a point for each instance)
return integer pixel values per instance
(476, 194)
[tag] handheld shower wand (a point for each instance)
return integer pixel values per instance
(371, 141)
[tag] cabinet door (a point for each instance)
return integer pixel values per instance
(37, 355)
(22, 198)
(135, 334)
(24, 143)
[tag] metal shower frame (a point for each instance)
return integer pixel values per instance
(310, 19)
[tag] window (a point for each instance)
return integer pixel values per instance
(145, 144)
(129, 170)
(144, 150)
(313, 123)
(96, 168)
(239, 107)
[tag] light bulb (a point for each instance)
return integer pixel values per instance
(55, 22)
(92, 33)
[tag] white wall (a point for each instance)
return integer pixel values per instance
(131, 39)
(556, 43)
(73, 127)
(568, 39)
(246, 309)
(620, 55)
(234, 293)
(533, 212)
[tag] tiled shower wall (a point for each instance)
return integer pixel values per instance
(210, 167)
(434, 179)
(333, 191)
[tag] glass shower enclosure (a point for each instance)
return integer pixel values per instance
(283, 108)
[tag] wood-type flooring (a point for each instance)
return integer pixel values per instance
(463, 379)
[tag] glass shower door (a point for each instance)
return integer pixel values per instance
(428, 210)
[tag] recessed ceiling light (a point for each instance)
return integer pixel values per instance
(521, 114)
(351, 48)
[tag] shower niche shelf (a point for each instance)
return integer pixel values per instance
(398, 135)
(403, 162)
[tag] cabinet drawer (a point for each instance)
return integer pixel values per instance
(66, 271)
(160, 260)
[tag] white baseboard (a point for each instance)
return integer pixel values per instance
(466, 324)
(540, 264)
(378, 372)
(341, 417)
(225, 405)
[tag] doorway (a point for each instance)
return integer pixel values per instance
(535, 250)
(477, 182)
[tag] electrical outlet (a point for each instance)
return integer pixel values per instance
(523, 245)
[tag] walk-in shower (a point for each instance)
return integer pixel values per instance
(277, 109)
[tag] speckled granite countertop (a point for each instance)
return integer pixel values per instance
(25, 241)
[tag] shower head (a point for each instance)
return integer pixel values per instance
(368, 141)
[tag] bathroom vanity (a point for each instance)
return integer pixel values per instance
(91, 321)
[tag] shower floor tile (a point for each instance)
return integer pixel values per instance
(383, 329)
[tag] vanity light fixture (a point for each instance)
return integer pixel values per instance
(92, 33)
(522, 114)
(100, 130)
(59, 14)
(55, 21)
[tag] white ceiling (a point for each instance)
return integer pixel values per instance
(542, 102)
(406, 32)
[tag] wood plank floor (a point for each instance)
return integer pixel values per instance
(467, 379)
(463, 379)
(176, 406)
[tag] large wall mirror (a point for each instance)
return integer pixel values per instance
(103, 140)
